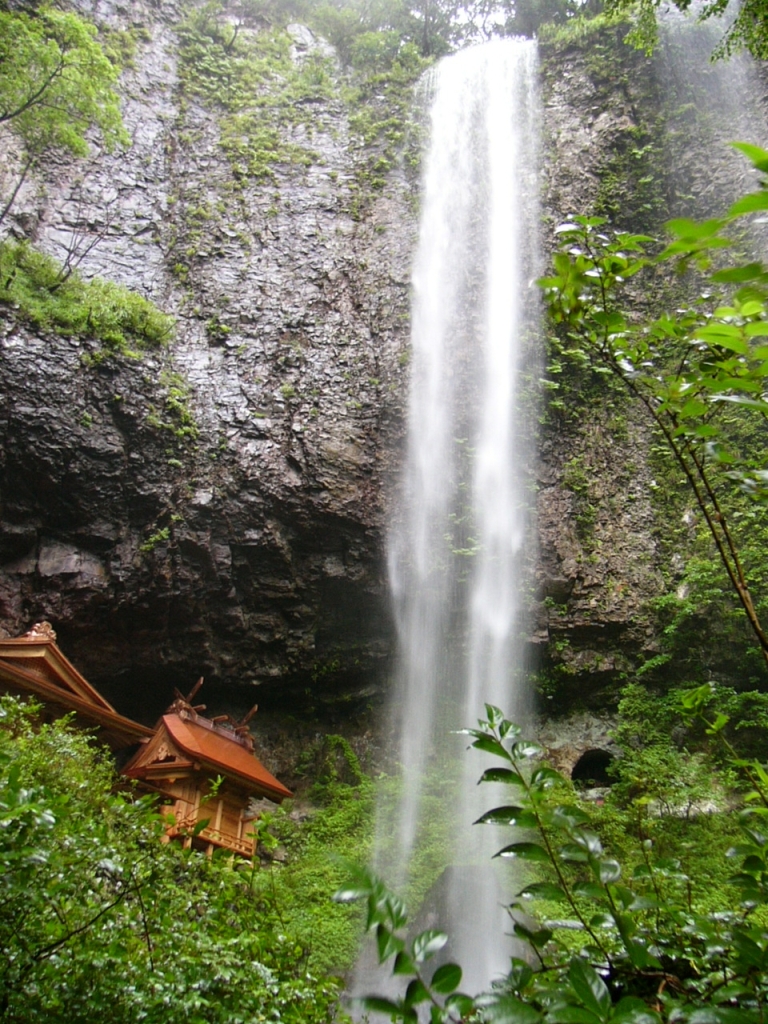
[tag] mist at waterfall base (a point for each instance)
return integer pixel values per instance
(461, 542)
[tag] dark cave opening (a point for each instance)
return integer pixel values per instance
(592, 768)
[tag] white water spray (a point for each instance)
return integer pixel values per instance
(458, 552)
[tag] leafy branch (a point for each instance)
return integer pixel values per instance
(387, 917)
(685, 369)
(658, 960)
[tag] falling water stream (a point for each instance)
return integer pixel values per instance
(461, 546)
(458, 551)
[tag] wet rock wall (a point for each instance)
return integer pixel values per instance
(219, 507)
(214, 508)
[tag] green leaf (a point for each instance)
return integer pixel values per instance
(752, 403)
(734, 342)
(631, 1010)
(544, 891)
(573, 854)
(507, 1010)
(538, 937)
(644, 903)
(416, 993)
(571, 1015)
(508, 816)
(757, 156)
(490, 746)
(460, 1002)
(588, 841)
(690, 230)
(752, 308)
(590, 988)
(639, 955)
(403, 964)
(394, 909)
(505, 775)
(737, 275)
(377, 1004)
(755, 202)
(569, 817)
(591, 890)
(693, 408)
(495, 717)
(609, 870)
(745, 383)
(718, 725)
(705, 430)
(723, 1015)
(525, 749)
(387, 943)
(446, 978)
(601, 921)
(520, 974)
(545, 776)
(749, 951)
(426, 944)
(525, 851)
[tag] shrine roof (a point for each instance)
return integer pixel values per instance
(38, 654)
(212, 746)
(33, 665)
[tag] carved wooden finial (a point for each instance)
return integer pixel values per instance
(194, 691)
(241, 728)
(41, 631)
(246, 718)
(182, 703)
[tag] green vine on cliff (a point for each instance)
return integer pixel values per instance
(380, 99)
(249, 75)
(176, 416)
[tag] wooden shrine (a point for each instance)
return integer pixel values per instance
(204, 769)
(207, 773)
(33, 666)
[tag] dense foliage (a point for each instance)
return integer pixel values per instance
(42, 293)
(746, 23)
(258, 90)
(101, 921)
(56, 81)
(338, 823)
(650, 944)
(57, 85)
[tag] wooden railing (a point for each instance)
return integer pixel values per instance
(185, 829)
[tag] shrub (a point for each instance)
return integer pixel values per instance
(35, 287)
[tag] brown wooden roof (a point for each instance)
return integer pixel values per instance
(33, 666)
(38, 653)
(218, 750)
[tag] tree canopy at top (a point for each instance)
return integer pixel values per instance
(747, 28)
(56, 82)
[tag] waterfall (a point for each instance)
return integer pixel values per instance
(460, 544)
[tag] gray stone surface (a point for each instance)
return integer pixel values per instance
(252, 554)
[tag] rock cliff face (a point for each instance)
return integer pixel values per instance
(248, 549)
(219, 507)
